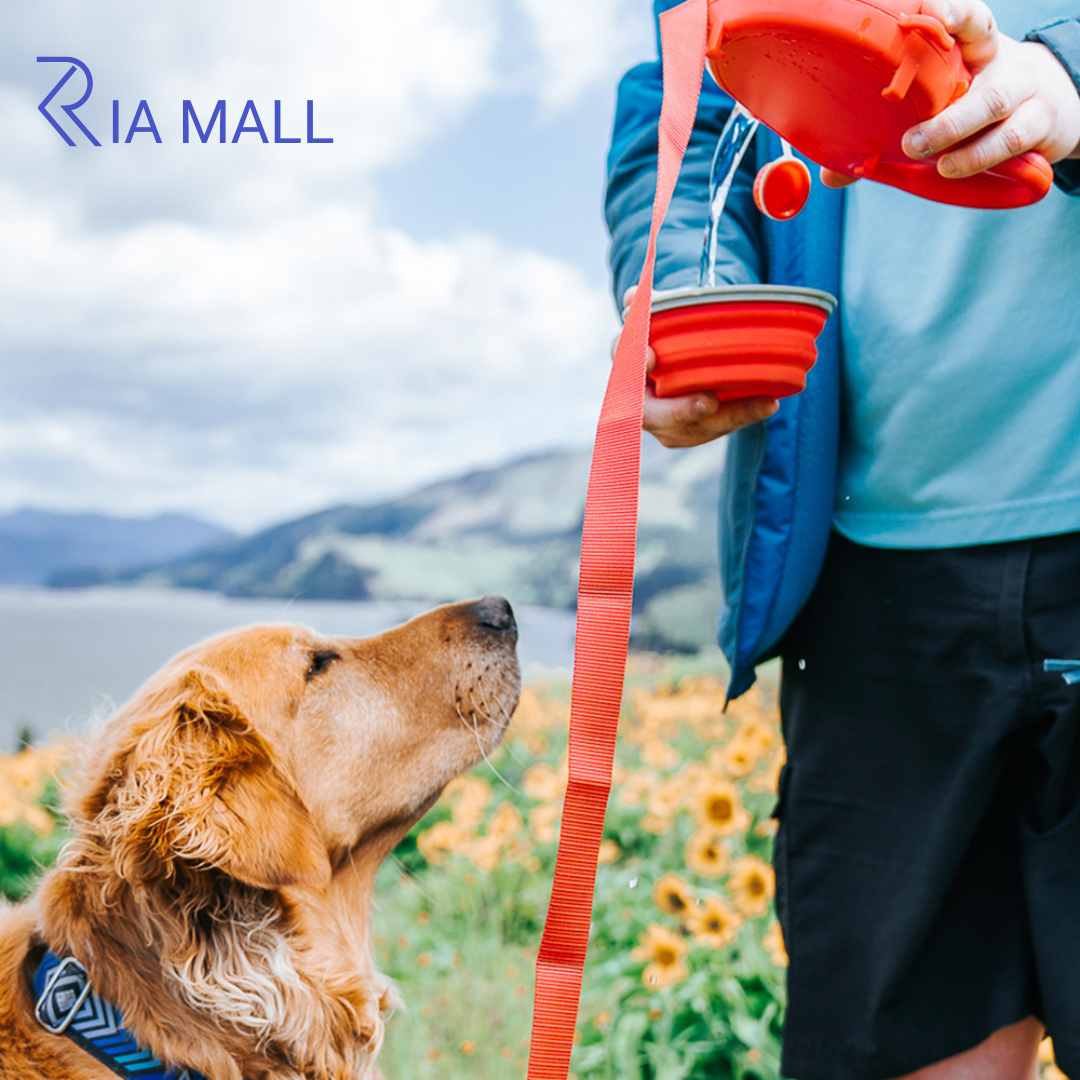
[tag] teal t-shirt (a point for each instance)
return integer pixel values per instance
(961, 340)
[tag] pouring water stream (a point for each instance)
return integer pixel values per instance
(734, 140)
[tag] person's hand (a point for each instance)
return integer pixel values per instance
(1021, 99)
(693, 419)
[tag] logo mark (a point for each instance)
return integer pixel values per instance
(43, 108)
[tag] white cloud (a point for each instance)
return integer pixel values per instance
(579, 44)
(234, 330)
(210, 365)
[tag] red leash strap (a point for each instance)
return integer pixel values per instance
(605, 591)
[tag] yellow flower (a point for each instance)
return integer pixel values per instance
(769, 780)
(455, 787)
(656, 825)
(471, 796)
(667, 797)
(658, 754)
(537, 712)
(486, 852)
(543, 783)
(672, 895)
(24, 774)
(774, 942)
(748, 707)
(535, 744)
(10, 807)
(39, 819)
(441, 839)
(739, 756)
(635, 787)
(664, 951)
(696, 772)
(760, 736)
(609, 852)
(505, 822)
(542, 822)
(751, 885)
(713, 922)
(696, 702)
(706, 854)
(717, 807)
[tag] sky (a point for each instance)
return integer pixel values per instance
(253, 331)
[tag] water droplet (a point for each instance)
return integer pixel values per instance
(633, 883)
(802, 665)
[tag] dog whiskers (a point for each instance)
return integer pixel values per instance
(475, 729)
(412, 879)
(508, 745)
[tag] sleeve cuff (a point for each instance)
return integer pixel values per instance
(1062, 38)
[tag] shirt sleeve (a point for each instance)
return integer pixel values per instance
(631, 185)
(1062, 38)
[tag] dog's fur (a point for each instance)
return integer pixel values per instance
(228, 823)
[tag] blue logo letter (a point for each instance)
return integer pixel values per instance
(249, 108)
(216, 117)
(149, 127)
(69, 109)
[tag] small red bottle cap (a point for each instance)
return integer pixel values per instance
(781, 188)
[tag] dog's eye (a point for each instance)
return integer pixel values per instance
(320, 661)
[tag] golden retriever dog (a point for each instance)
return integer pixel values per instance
(227, 826)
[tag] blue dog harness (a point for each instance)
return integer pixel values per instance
(67, 1005)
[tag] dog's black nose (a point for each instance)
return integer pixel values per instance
(495, 613)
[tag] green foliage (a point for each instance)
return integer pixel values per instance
(26, 851)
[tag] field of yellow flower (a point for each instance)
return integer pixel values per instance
(686, 967)
(29, 818)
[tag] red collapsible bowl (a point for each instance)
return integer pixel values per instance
(742, 341)
(843, 80)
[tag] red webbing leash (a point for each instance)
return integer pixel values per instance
(605, 589)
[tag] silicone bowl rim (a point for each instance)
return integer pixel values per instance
(691, 295)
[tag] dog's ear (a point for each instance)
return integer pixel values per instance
(196, 786)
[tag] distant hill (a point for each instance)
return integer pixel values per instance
(40, 547)
(515, 529)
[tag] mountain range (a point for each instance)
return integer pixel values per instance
(513, 529)
(42, 546)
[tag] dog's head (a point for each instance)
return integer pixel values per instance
(229, 821)
(273, 753)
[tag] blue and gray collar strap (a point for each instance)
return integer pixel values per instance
(67, 1005)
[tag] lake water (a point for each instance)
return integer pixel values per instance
(66, 655)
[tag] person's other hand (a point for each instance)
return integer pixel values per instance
(1021, 99)
(694, 419)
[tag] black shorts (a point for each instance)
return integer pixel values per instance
(928, 855)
